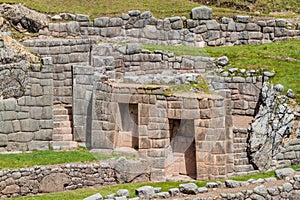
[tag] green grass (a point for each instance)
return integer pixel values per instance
(160, 9)
(13, 161)
(82, 193)
(282, 57)
(262, 6)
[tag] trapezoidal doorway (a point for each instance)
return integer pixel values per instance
(181, 159)
(127, 135)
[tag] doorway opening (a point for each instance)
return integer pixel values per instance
(182, 160)
(128, 133)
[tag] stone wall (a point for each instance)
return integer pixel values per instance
(56, 178)
(64, 54)
(27, 122)
(201, 30)
(245, 92)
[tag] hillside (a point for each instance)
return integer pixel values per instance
(162, 9)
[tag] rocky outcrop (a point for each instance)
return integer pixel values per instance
(24, 19)
(273, 122)
(15, 64)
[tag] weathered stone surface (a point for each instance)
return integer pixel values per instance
(232, 183)
(145, 192)
(223, 61)
(94, 197)
(128, 174)
(82, 18)
(188, 188)
(202, 12)
(11, 189)
(3, 140)
(123, 192)
(55, 182)
(101, 21)
(20, 16)
(133, 48)
(273, 121)
(285, 172)
(163, 195)
(174, 192)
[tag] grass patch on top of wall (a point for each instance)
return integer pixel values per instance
(97, 8)
(282, 57)
(37, 158)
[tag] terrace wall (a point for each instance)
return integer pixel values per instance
(201, 30)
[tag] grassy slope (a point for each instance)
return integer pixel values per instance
(263, 6)
(283, 57)
(96, 8)
(13, 161)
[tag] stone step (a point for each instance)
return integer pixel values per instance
(62, 137)
(62, 111)
(239, 145)
(61, 124)
(62, 130)
(240, 155)
(62, 117)
(64, 145)
(241, 161)
(243, 168)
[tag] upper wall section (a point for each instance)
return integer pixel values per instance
(201, 30)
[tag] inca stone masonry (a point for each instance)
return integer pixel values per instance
(91, 91)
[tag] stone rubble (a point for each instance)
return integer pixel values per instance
(287, 190)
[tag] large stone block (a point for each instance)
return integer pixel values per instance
(21, 137)
(7, 127)
(54, 182)
(212, 25)
(202, 12)
(38, 145)
(29, 125)
(111, 31)
(45, 134)
(3, 140)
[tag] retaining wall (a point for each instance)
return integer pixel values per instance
(56, 178)
(201, 30)
(27, 122)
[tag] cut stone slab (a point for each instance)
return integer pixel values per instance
(188, 188)
(94, 197)
(283, 173)
(202, 12)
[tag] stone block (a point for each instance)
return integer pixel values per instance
(280, 32)
(82, 18)
(45, 134)
(189, 103)
(252, 27)
(7, 127)
(21, 137)
(280, 22)
(3, 140)
(111, 31)
(242, 19)
(38, 145)
(200, 29)
(240, 27)
(9, 116)
(202, 12)
(212, 35)
(151, 32)
(255, 35)
(29, 125)
(115, 21)
(212, 25)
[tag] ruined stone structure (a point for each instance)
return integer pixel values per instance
(108, 96)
